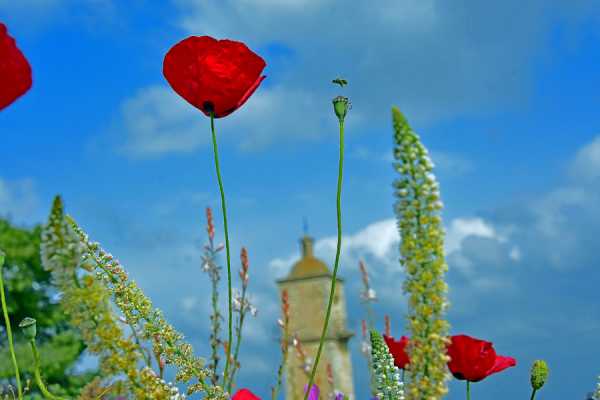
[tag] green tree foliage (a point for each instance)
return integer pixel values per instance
(30, 294)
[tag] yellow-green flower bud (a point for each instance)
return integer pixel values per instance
(28, 326)
(539, 374)
(341, 105)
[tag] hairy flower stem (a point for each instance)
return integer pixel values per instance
(281, 366)
(468, 390)
(533, 394)
(337, 259)
(8, 329)
(214, 342)
(238, 339)
(223, 206)
(38, 375)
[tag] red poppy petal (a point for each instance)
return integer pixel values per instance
(213, 75)
(501, 363)
(398, 350)
(15, 71)
(244, 394)
(471, 358)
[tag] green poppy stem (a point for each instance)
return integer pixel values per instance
(38, 376)
(337, 260)
(468, 390)
(8, 329)
(224, 207)
(533, 394)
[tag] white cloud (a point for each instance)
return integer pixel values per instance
(586, 165)
(18, 199)
(415, 53)
(460, 228)
(380, 242)
(156, 121)
(550, 209)
(515, 253)
(412, 53)
(450, 163)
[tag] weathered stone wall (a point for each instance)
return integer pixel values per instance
(308, 305)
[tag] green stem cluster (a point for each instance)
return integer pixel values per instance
(38, 375)
(8, 328)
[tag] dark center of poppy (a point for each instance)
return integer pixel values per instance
(208, 106)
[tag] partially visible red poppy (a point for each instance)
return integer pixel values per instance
(15, 72)
(244, 394)
(473, 359)
(398, 350)
(212, 74)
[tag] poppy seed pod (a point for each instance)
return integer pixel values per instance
(341, 105)
(539, 374)
(28, 326)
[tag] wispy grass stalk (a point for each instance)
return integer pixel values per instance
(284, 324)
(209, 265)
(368, 296)
(242, 306)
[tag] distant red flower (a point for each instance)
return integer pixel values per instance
(15, 72)
(212, 74)
(244, 394)
(473, 359)
(398, 350)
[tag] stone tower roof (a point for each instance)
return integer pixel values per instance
(308, 265)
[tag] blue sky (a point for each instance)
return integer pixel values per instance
(503, 94)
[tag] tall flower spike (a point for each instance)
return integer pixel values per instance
(387, 375)
(422, 255)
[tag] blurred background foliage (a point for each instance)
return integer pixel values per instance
(30, 293)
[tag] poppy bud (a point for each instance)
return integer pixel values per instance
(539, 374)
(28, 325)
(340, 106)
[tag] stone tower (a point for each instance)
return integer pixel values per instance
(308, 285)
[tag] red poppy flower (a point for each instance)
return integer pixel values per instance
(244, 394)
(473, 359)
(212, 74)
(15, 72)
(398, 350)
